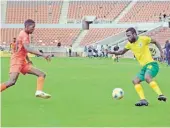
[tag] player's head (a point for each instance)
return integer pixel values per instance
(14, 39)
(29, 26)
(116, 48)
(167, 42)
(131, 34)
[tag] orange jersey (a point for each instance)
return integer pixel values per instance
(13, 47)
(19, 56)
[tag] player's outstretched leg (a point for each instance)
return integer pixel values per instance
(12, 80)
(139, 90)
(40, 82)
(155, 87)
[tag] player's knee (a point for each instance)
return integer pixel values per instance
(135, 81)
(148, 79)
(42, 75)
(12, 82)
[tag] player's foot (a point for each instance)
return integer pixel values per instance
(142, 103)
(162, 98)
(42, 95)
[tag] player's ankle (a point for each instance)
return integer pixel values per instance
(38, 91)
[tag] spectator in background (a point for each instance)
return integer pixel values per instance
(102, 49)
(116, 59)
(165, 59)
(59, 44)
(1, 48)
(90, 51)
(167, 50)
(85, 51)
(160, 17)
(95, 54)
(106, 47)
(13, 46)
(99, 50)
(70, 50)
(164, 16)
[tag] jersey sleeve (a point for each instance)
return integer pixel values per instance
(147, 40)
(127, 46)
(23, 37)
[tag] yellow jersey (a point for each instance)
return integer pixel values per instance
(141, 50)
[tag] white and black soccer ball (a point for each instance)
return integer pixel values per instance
(117, 93)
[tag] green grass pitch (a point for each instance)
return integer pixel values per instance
(81, 95)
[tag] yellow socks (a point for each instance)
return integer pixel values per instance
(155, 87)
(139, 90)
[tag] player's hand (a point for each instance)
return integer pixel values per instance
(47, 57)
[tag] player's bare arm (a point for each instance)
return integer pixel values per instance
(36, 52)
(121, 52)
(159, 47)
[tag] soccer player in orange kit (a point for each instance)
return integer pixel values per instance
(20, 62)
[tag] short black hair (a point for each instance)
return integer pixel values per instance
(59, 44)
(41, 51)
(131, 29)
(167, 41)
(116, 48)
(29, 22)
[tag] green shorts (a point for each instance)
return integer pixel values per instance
(150, 68)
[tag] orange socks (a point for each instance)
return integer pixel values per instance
(3, 87)
(40, 83)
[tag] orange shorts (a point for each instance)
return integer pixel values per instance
(20, 68)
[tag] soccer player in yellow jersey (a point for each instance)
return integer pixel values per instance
(139, 46)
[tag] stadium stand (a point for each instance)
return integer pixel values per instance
(40, 11)
(64, 35)
(48, 12)
(96, 34)
(160, 35)
(51, 36)
(101, 9)
(7, 34)
(147, 11)
(47, 36)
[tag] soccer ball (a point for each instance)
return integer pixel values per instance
(117, 93)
